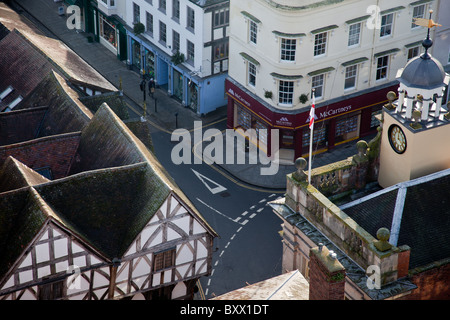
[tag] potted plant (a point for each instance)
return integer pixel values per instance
(177, 58)
(138, 28)
(268, 94)
(303, 98)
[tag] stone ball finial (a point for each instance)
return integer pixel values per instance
(362, 145)
(383, 234)
(300, 164)
(391, 96)
(382, 243)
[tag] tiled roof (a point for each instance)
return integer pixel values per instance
(118, 185)
(421, 210)
(107, 207)
(59, 55)
(21, 218)
(15, 175)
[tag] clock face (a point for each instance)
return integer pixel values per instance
(397, 139)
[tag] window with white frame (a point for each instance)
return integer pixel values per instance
(175, 41)
(253, 31)
(221, 17)
(317, 84)
(176, 10)
(190, 24)
(418, 12)
(136, 13)
(350, 77)
(288, 47)
(387, 21)
(285, 92)
(382, 67)
(413, 52)
(190, 52)
(149, 22)
(221, 51)
(162, 32)
(162, 5)
(109, 3)
(320, 44)
(251, 74)
(354, 34)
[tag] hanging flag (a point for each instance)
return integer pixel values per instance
(312, 114)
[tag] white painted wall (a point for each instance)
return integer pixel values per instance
(267, 49)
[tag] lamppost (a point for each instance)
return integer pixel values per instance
(143, 86)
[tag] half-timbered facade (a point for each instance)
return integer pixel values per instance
(104, 233)
(86, 210)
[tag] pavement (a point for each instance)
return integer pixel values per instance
(168, 114)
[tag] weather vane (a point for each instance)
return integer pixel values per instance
(427, 23)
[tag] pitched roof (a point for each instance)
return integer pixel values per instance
(107, 207)
(21, 217)
(417, 213)
(15, 175)
(61, 57)
(117, 187)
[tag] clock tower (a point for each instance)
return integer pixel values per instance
(416, 128)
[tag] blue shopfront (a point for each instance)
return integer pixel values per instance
(178, 81)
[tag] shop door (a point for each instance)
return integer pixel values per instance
(286, 139)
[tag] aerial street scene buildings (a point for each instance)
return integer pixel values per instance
(316, 138)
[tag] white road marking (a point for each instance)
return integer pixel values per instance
(218, 188)
(216, 210)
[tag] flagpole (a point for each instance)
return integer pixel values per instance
(311, 127)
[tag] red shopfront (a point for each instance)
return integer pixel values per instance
(335, 123)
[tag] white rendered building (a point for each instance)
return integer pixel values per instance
(198, 30)
(348, 51)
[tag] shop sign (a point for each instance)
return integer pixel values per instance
(333, 112)
(239, 97)
(283, 121)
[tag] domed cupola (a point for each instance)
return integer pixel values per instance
(422, 84)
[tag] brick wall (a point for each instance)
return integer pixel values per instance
(431, 284)
(326, 276)
(55, 152)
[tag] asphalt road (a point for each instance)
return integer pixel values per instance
(249, 248)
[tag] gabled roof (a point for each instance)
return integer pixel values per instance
(21, 217)
(114, 100)
(15, 175)
(117, 188)
(417, 213)
(60, 56)
(107, 207)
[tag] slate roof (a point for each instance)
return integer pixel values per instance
(117, 186)
(424, 219)
(108, 207)
(61, 57)
(53, 107)
(15, 175)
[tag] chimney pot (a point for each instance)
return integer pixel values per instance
(320, 247)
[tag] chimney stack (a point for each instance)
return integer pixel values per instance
(326, 275)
